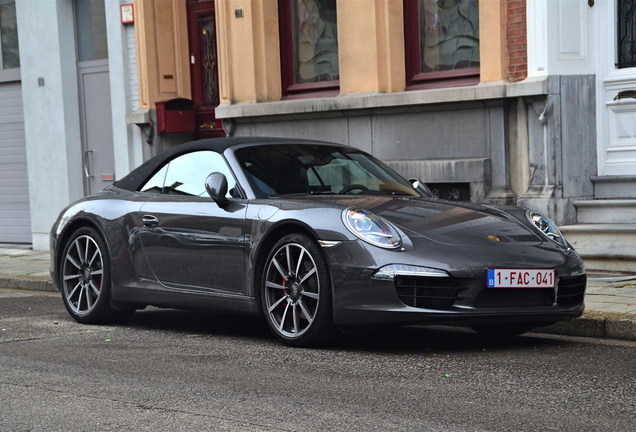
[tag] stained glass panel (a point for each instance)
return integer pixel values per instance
(315, 34)
(449, 34)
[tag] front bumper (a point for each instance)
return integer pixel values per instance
(461, 299)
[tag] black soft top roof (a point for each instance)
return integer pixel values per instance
(135, 179)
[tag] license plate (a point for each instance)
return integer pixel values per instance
(521, 278)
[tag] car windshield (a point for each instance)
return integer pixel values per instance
(286, 169)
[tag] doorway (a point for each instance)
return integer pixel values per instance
(616, 89)
(204, 68)
(98, 159)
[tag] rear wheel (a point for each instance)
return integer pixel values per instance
(296, 292)
(85, 278)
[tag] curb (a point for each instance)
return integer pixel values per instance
(28, 284)
(592, 324)
(596, 324)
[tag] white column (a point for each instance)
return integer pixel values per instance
(51, 113)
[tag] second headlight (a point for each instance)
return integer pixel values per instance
(547, 227)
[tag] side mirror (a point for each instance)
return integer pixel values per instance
(421, 187)
(216, 186)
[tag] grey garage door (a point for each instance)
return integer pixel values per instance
(15, 223)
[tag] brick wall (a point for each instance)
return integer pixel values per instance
(517, 40)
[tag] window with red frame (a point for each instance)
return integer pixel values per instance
(442, 42)
(309, 48)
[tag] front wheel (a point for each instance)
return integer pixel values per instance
(296, 292)
(85, 278)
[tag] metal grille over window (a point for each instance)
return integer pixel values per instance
(208, 48)
(626, 34)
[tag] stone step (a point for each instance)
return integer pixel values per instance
(622, 261)
(601, 237)
(622, 186)
(606, 211)
(609, 247)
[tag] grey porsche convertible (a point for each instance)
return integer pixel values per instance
(318, 238)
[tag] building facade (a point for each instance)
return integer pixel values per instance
(505, 101)
(472, 96)
(76, 81)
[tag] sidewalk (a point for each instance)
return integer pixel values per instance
(610, 300)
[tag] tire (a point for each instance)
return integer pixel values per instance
(85, 278)
(296, 292)
(503, 330)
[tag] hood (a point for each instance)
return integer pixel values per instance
(445, 222)
(457, 224)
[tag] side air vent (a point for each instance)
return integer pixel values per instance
(428, 292)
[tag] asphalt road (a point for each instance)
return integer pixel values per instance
(168, 370)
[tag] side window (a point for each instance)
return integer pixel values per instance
(155, 184)
(186, 175)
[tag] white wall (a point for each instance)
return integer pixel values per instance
(51, 105)
(51, 113)
(561, 37)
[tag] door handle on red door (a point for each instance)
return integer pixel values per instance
(149, 221)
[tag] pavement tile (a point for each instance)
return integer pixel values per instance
(613, 299)
(622, 308)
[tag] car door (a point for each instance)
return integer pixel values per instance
(187, 239)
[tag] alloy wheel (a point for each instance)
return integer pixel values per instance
(83, 274)
(292, 290)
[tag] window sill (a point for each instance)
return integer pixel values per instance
(8, 75)
(534, 86)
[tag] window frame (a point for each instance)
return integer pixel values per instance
(10, 75)
(415, 78)
(291, 90)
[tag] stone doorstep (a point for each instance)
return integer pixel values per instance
(606, 211)
(616, 239)
(622, 186)
(614, 262)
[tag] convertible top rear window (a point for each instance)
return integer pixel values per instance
(286, 169)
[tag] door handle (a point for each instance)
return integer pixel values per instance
(86, 170)
(149, 221)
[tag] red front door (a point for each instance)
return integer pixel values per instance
(204, 68)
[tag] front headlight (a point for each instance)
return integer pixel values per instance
(371, 228)
(547, 227)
